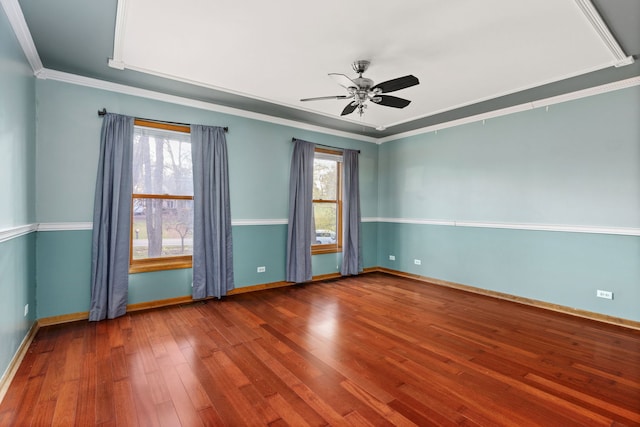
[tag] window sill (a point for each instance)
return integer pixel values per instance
(325, 249)
(159, 264)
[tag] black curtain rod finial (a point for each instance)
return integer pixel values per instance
(102, 112)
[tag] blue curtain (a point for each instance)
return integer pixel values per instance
(212, 243)
(351, 240)
(111, 220)
(300, 226)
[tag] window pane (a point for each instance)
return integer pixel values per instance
(162, 228)
(325, 179)
(162, 162)
(325, 215)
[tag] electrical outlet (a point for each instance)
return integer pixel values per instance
(392, 257)
(262, 269)
(604, 294)
(417, 262)
(26, 310)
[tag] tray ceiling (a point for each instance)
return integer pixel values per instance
(462, 51)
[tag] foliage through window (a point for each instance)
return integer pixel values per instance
(327, 201)
(162, 200)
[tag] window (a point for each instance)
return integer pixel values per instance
(327, 201)
(162, 200)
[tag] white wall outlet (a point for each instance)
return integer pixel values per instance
(392, 257)
(604, 294)
(262, 269)
(26, 310)
(417, 262)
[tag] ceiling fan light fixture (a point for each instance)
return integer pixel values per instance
(362, 89)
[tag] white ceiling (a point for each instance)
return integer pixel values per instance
(463, 51)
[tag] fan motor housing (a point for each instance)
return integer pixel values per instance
(363, 83)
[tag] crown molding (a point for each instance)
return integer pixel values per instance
(21, 30)
(599, 26)
(173, 99)
(546, 102)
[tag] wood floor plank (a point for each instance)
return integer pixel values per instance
(196, 392)
(242, 409)
(167, 414)
(86, 409)
(369, 350)
(126, 412)
(28, 400)
(182, 402)
(66, 404)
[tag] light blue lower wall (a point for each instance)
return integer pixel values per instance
(64, 267)
(63, 272)
(17, 288)
(555, 267)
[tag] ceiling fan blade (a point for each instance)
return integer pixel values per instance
(343, 80)
(397, 84)
(350, 108)
(318, 98)
(391, 101)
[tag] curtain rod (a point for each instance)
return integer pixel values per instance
(328, 146)
(102, 112)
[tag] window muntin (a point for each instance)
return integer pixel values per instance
(327, 202)
(162, 200)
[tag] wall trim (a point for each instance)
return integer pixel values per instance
(622, 231)
(71, 226)
(13, 232)
(618, 321)
(277, 221)
(187, 299)
(65, 226)
(12, 369)
(63, 318)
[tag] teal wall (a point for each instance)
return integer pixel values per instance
(577, 164)
(17, 136)
(17, 195)
(68, 129)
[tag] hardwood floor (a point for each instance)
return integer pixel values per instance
(369, 350)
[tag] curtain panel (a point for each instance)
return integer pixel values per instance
(300, 227)
(111, 220)
(351, 224)
(212, 241)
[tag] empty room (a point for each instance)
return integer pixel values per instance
(288, 213)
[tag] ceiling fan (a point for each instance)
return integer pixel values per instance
(362, 89)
